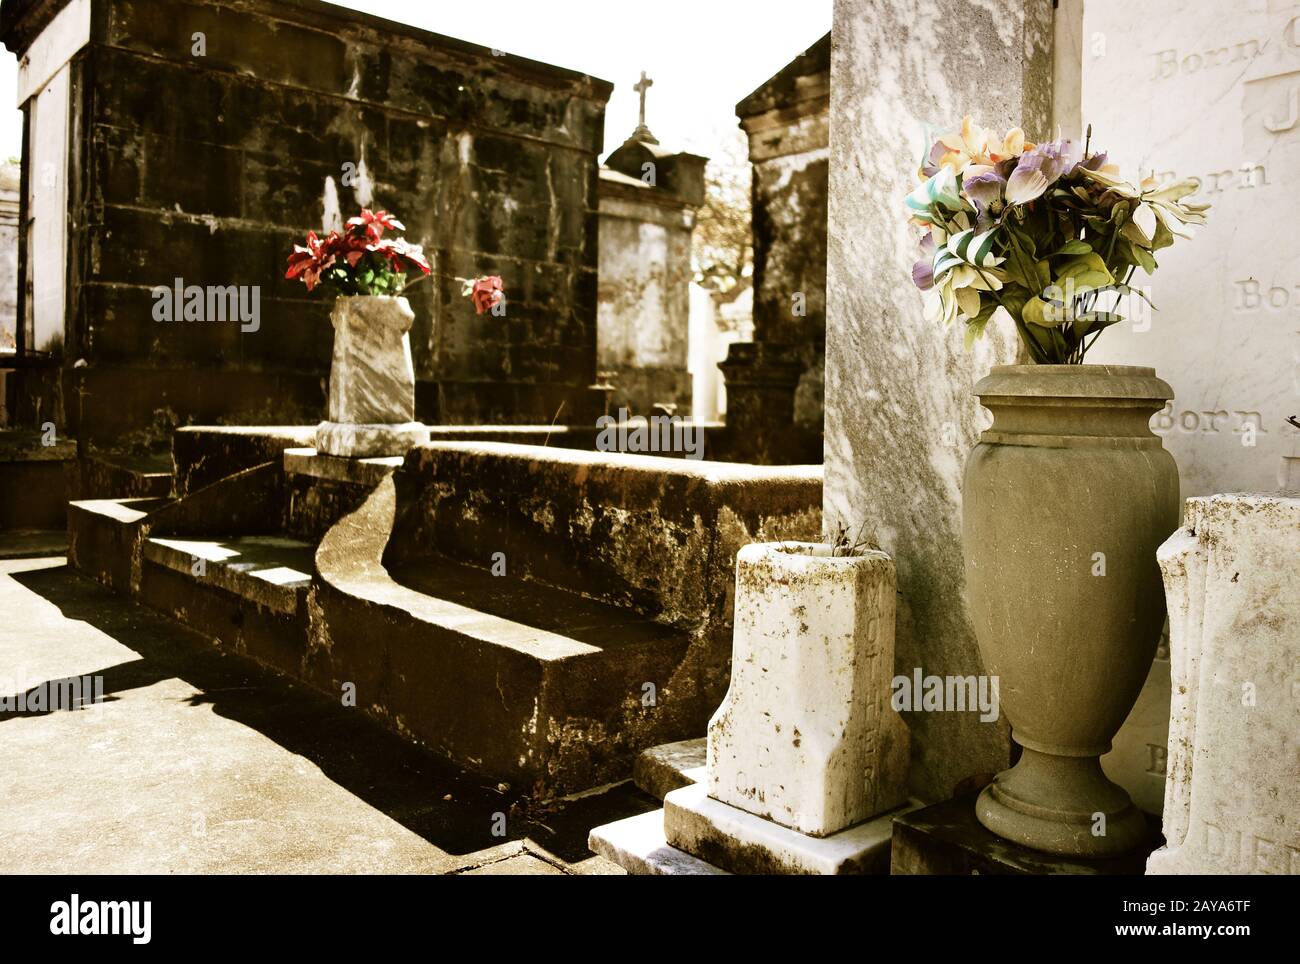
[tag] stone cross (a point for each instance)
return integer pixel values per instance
(641, 87)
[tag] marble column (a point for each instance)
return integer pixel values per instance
(900, 416)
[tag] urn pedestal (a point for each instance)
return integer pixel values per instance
(371, 401)
(806, 736)
(806, 757)
(1066, 499)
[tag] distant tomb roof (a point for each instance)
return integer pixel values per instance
(807, 77)
(22, 20)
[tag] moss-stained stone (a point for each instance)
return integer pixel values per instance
(297, 109)
(539, 615)
(774, 386)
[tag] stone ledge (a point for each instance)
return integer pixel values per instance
(744, 843)
(337, 468)
(661, 769)
(265, 570)
(637, 844)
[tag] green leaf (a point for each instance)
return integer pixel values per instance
(1021, 267)
(1073, 247)
(975, 327)
(1163, 237)
(1087, 272)
(940, 191)
(972, 248)
(1041, 313)
(1042, 341)
(1014, 299)
(1143, 257)
(1092, 321)
(1122, 289)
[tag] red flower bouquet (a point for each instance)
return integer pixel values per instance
(360, 260)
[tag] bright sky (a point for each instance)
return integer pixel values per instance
(703, 55)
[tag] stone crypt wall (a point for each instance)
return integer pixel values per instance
(207, 164)
(774, 383)
(899, 414)
(643, 332)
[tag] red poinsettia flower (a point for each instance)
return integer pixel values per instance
(358, 261)
(354, 247)
(402, 255)
(371, 224)
(485, 292)
(317, 256)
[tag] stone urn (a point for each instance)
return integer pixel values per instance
(806, 736)
(1066, 498)
(372, 380)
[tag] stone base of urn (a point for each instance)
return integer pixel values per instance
(744, 843)
(372, 381)
(807, 760)
(1037, 802)
(947, 839)
(369, 441)
(709, 837)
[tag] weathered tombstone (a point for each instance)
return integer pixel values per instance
(1232, 804)
(774, 385)
(900, 417)
(648, 199)
(1211, 91)
(805, 735)
(807, 759)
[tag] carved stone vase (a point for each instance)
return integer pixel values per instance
(372, 380)
(1066, 498)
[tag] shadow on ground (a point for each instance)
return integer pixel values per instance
(451, 809)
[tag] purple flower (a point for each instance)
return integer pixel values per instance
(937, 153)
(1095, 162)
(923, 270)
(984, 189)
(1039, 169)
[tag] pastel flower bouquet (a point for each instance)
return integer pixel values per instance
(1049, 233)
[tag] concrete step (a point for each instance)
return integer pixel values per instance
(246, 592)
(122, 475)
(270, 571)
(670, 766)
(530, 606)
(541, 687)
(102, 534)
(533, 685)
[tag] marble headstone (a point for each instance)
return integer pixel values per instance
(1211, 89)
(1232, 801)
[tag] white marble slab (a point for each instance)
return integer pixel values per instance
(1232, 803)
